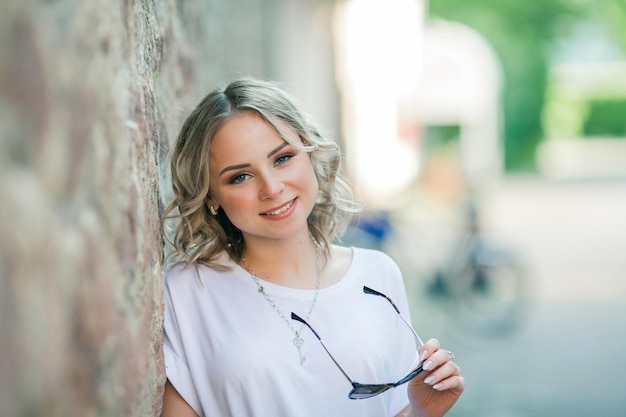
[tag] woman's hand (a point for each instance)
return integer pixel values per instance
(434, 391)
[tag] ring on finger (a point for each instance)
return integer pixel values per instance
(450, 355)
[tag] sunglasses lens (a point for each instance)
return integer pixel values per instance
(366, 391)
(410, 376)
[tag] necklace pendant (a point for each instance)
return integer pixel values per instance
(299, 342)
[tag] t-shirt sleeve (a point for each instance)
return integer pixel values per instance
(176, 365)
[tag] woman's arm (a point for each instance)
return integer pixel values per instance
(174, 405)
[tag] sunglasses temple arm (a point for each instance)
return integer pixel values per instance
(336, 363)
(368, 290)
(417, 336)
(294, 316)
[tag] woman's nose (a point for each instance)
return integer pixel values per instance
(270, 188)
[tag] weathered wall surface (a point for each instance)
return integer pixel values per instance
(91, 94)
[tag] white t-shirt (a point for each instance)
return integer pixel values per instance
(229, 353)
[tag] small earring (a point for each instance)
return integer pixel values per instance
(213, 210)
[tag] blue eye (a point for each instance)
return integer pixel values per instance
(282, 159)
(238, 178)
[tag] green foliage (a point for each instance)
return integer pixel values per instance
(521, 33)
(613, 13)
(606, 118)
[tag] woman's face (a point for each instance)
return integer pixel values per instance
(266, 187)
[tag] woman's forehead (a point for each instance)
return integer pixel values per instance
(248, 134)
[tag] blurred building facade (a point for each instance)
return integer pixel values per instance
(585, 112)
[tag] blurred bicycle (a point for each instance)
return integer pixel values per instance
(483, 285)
(433, 232)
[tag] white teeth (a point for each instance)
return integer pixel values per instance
(280, 210)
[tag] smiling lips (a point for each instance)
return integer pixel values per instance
(280, 210)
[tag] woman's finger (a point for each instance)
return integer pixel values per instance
(447, 370)
(431, 345)
(456, 382)
(437, 359)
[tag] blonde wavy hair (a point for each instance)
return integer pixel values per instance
(198, 236)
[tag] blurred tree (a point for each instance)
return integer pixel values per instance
(605, 118)
(521, 34)
(614, 13)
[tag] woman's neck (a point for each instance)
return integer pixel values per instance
(287, 262)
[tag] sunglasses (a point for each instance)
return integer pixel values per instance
(360, 391)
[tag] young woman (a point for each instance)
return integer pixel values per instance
(264, 315)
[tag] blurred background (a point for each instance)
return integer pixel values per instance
(487, 139)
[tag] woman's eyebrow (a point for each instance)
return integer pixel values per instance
(277, 149)
(234, 167)
(240, 166)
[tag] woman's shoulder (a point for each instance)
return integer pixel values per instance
(378, 270)
(179, 269)
(184, 273)
(358, 258)
(372, 256)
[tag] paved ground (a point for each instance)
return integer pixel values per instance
(569, 356)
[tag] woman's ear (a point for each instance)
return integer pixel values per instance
(212, 205)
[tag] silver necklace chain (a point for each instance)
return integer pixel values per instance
(297, 340)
